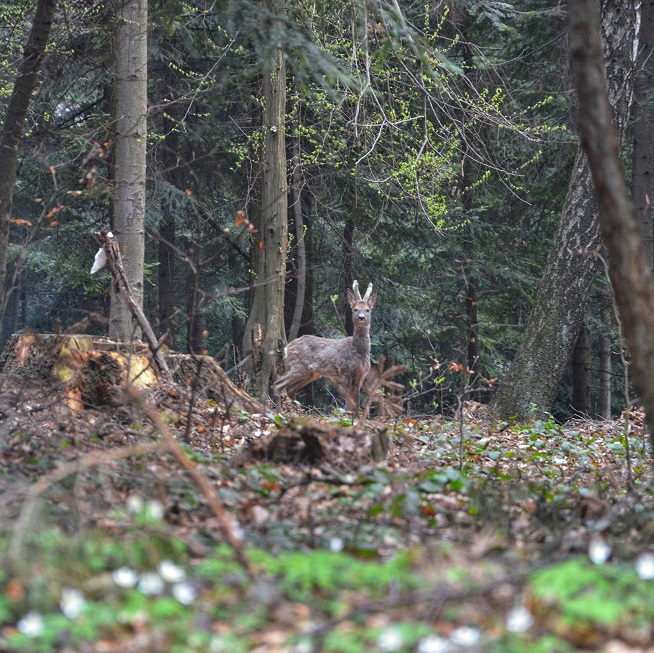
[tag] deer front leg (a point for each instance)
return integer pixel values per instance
(350, 391)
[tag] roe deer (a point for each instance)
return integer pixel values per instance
(344, 362)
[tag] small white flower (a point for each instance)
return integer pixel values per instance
(31, 624)
(433, 644)
(599, 551)
(465, 636)
(99, 261)
(72, 602)
(303, 646)
(645, 566)
(336, 544)
(171, 572)
(134, 504)
(390, 639)
(217, 644)
(519, 619)
(151, 583)
(185, 592)
(125, 577)
(154, 510)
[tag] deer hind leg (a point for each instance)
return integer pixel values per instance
(293, 383)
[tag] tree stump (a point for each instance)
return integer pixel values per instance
(93, 371)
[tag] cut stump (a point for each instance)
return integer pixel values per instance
(91, 371)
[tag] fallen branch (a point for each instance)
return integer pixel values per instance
(194, 471)
(123, 289)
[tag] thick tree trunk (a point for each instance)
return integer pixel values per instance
(536, 371)
(12, 127)
(643, 149)
(265, 335)
(631, 276)
(129, 157)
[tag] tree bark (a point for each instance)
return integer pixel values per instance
(129, 157)
(642, 163)
(265, 333)
(631, 276)
(12, 127)
(535, 374)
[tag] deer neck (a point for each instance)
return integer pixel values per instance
(361, 340)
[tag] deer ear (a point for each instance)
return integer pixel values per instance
(373, 299)
(351, 298)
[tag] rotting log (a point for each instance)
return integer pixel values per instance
(306, 441)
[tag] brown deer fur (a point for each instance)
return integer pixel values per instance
(344, 362)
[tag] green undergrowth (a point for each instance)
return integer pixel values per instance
(79, 591)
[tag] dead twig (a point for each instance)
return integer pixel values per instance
(194, 471)
(124, 290)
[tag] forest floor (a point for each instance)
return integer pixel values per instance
(472, 535)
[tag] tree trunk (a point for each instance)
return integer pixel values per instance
(308, 317)
(265, 336)
(604, 403)
(551, 332)
(166, 277)
(580, 368)
(301, 279)
(166, 280)
(631, 277)
(12, 127)
(348, 267)
(472, 353)
(196, 340)
(643, 148)
(129, 157)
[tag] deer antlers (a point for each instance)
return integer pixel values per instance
(357, 294)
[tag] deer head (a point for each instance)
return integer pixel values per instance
(361, 308)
